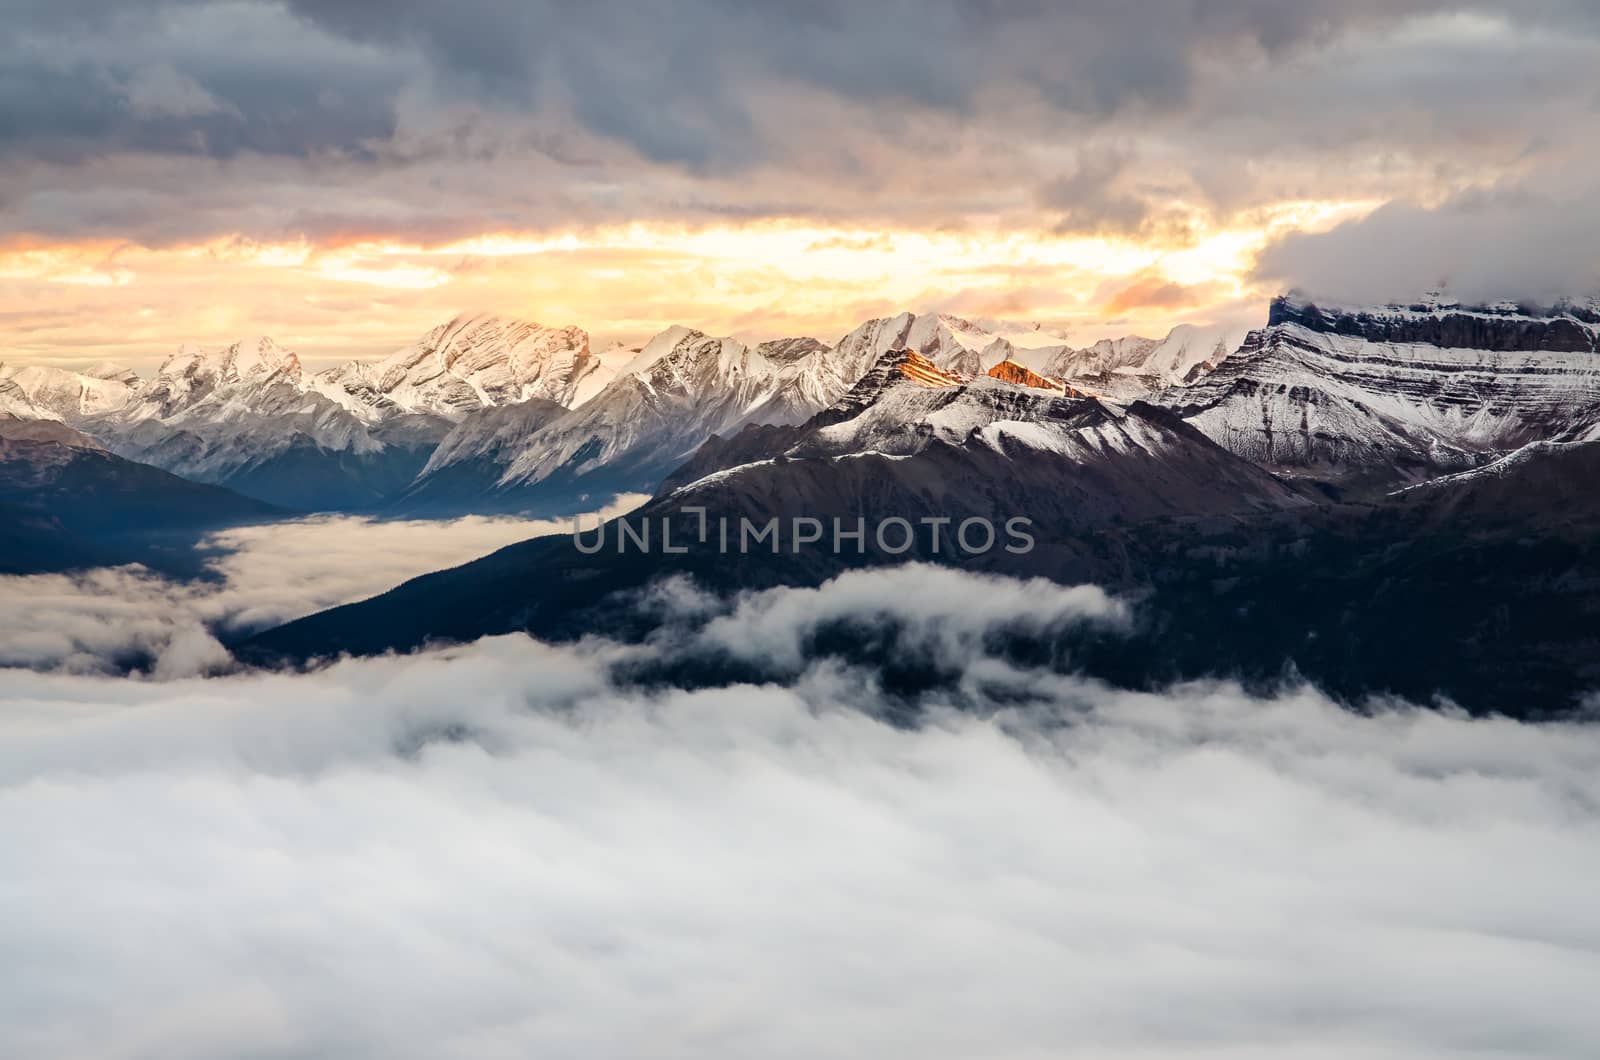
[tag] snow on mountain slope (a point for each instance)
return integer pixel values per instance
(192, 375)
(250, 411)
(899, 408)
(1191, 346)
(503, 429)
(681, 388)
(1541, 484)
(470, 363)
(668, 396)
(606, 365)
(111, 370)
(250, 417)
(1396, 392)
(72, 394)
(948, 341)
(804, 383)
(15, 402)
(1107, 355)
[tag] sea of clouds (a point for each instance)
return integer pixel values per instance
(510, 849)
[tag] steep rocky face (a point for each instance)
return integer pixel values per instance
(1507, 328)
(1378, 396)
(1105, 356)
(1129, 368)
(1009, 371)
(683, 387)
(789, 351)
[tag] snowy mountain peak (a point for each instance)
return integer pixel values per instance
(1188, 346)
(930, 335)
(258, 358)
(473, 361)
(522, 341)
(702, 364)
(658, 347)
(248, 360)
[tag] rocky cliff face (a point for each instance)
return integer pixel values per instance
(1012, 372)
(1506, 328)
(1387, 395)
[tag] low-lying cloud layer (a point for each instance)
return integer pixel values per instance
(501, 851)
(108, 618)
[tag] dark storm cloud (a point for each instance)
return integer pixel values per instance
(685, 81)
(682, 82)
(1523, 244)
(419, 118)
(1088, 197)
(189, 79)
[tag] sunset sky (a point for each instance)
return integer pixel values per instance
(345, 174)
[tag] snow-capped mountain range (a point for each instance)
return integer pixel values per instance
(487, 413)
(483, 409)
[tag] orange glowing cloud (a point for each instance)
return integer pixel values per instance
(1157, 292)
(87, 301)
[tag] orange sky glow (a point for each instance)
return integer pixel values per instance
(624, 283)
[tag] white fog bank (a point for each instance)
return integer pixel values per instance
(90, 621)
(495, 851)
